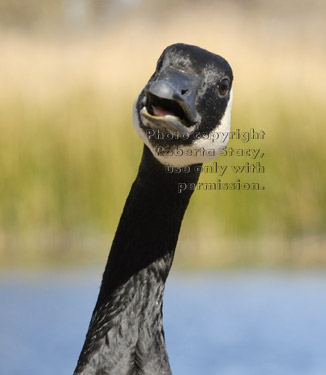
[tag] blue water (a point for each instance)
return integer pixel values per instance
(231, 323)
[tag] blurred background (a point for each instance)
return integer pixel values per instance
(69, 73)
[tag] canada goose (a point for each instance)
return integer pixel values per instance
(187, 99)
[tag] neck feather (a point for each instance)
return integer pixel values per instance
(127, 319)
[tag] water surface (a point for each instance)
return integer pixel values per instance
(228, 323)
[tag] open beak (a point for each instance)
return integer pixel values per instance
(170, 102)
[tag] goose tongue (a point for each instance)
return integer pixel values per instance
(160, 111)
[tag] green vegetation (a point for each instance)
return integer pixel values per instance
(67, 168)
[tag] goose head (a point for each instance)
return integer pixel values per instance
(183, 113)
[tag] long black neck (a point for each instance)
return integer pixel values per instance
(126, 335)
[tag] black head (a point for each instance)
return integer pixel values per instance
(186, 106)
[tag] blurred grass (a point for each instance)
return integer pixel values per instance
(68, 151)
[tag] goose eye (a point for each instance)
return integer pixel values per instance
(223, 87)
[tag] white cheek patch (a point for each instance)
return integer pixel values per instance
(203, 149)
